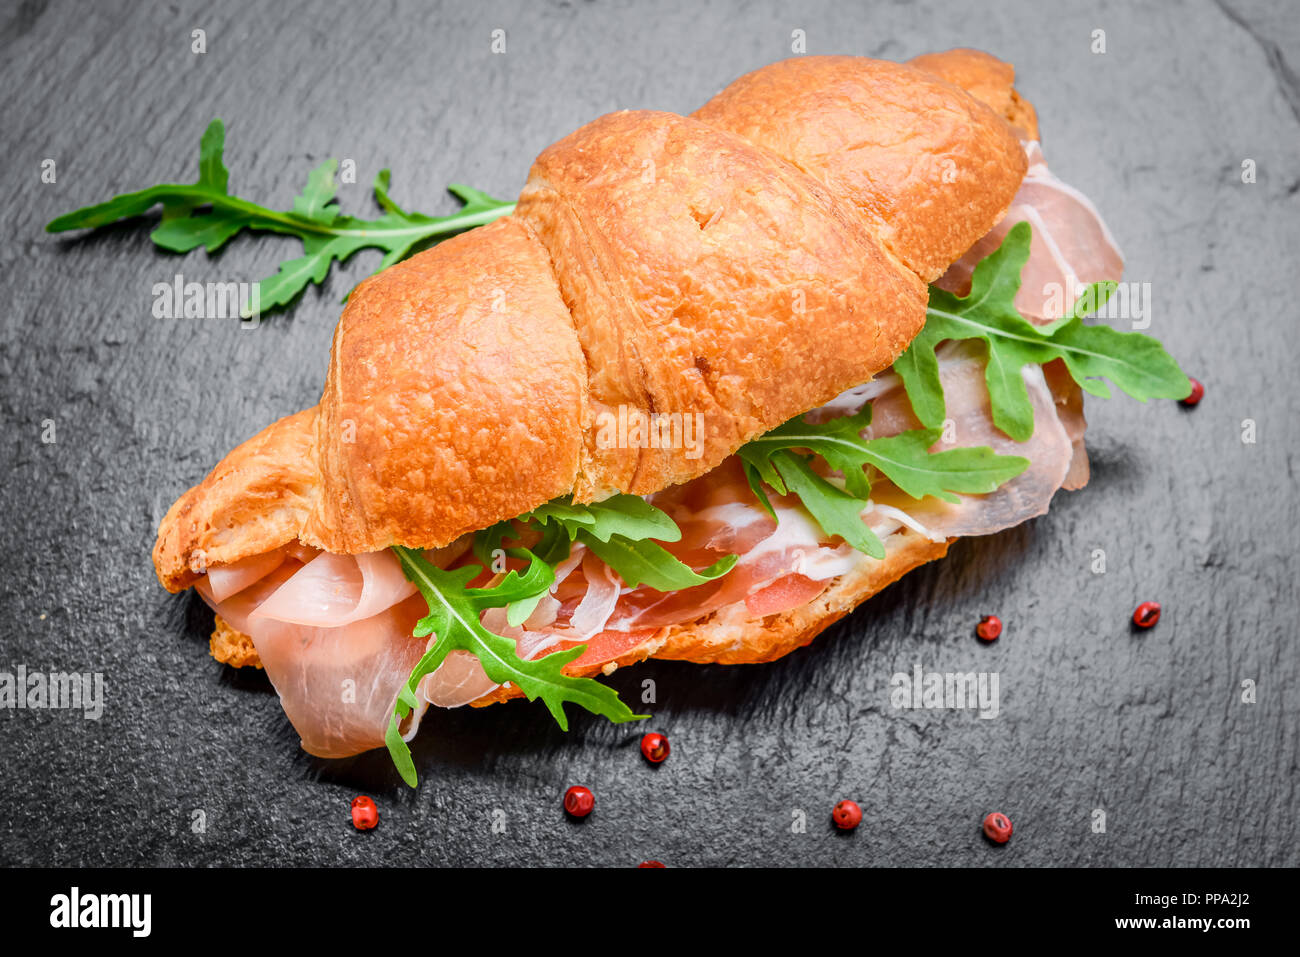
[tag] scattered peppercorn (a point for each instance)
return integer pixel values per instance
(997, 827)
(989, 628)
(579, 801)
(1195, 396)
(1147, 614)
(846, 815)
(655, 747)
(364, 813)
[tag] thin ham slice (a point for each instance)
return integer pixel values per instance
(459, 680)
(237, 609)
(334, 636)
(1049, 449)
(227, 580)
(611, 645)
(1069, 409)
(598, 604)
(339, 685)
(335, 590)
(1070, 248)
(337, 681)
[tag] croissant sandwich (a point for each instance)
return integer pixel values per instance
(715, 381)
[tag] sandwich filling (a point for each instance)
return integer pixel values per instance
(341, 636)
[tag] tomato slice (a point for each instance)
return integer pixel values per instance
(609, 645)
(792, 591)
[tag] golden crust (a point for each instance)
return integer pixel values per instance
(254, 501)
(455, 396)
(718, 278)
(986, 78)
(231, 647)
(710, 279)
(931, 168)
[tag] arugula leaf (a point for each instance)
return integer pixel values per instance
(641, 561)
(624, 532)
(905, 459)
(552, 549)
(203, 213)
(1136, 363)
(837, 511)
(839, 441)
(454, 611)
(628, 516)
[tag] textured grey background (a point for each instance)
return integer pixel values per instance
(1147, 726)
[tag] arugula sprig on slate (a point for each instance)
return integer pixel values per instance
(204, 213)
(904, 459)
(454, 611)
(1136, 363)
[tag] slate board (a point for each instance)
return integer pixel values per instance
(1149, 727)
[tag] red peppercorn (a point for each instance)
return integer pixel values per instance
(579, 801)
(655, 747)
(1195, 396)
(997, 827)
(989, 628)
(846, 815)
(364, 813)
(1147, 614)
(652, 864)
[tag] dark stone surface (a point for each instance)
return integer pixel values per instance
(1150, 727)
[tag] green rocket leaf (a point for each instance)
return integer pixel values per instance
(454, 617)
(1136, 363)
(204, 213)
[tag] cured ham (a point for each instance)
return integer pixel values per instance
(338, 686)
(334, 634)
(1069, 409)
(1071, 246)
(231, 579)
(335, 590)
(793, 591)
(1049, 449)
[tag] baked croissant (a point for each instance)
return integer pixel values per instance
(745, 265)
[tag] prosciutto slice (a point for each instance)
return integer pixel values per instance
(231, 579)
(334, 634)
(1049, 449)
(1071, 246)
(237, 609)
(339, 686)
(331, 591)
